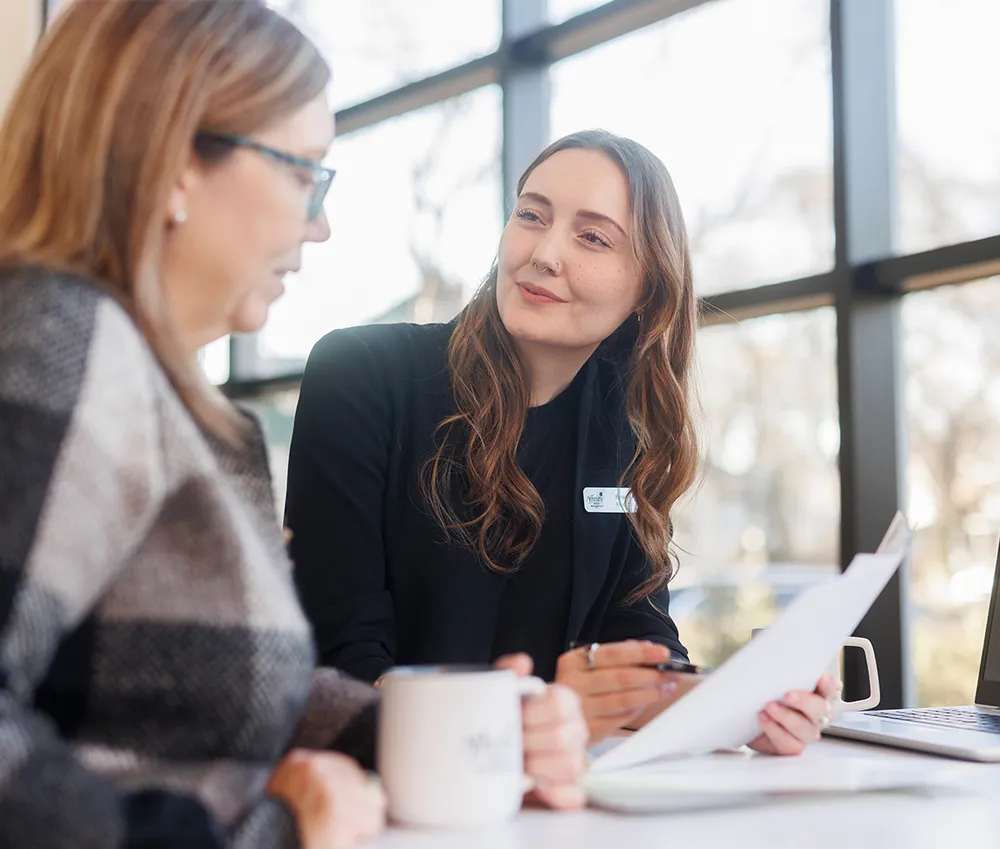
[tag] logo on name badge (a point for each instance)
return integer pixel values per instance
(608, 499)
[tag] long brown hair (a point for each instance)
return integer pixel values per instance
(103, 122)
(473, 484)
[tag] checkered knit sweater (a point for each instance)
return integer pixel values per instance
(154, 662)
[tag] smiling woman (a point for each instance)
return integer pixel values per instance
(437, 472)
(564, 232)
(461, 534)
(554, 224)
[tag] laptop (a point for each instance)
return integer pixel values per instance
(971, 732)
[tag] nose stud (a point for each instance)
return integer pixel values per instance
(541, 269)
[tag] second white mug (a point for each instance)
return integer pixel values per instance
(875, 692)
(450, 749)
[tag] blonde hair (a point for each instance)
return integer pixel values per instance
(103, 122)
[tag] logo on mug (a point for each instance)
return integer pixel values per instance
(493, 751)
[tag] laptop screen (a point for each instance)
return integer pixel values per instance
(991, 666)
(988, 690)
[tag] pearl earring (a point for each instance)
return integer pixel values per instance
(180, 216)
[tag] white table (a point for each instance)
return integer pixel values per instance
(965, 815)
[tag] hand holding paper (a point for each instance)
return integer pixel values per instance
(790, 655)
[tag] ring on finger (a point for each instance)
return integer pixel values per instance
(592, 656)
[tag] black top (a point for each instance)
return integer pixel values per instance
(534, 605)
(378, 580)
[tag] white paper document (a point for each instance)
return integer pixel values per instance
(791, 654)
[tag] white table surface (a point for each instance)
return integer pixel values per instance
(964, 814)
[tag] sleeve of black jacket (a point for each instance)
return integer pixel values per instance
(335, 503)
(644, 619)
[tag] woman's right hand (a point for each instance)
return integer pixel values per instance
(621, 689)
(335, 804)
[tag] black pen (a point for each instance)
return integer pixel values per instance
(680, 666)
(672, 665)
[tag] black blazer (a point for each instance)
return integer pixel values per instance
(376, 577)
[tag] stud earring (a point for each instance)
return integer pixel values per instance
(180, 216)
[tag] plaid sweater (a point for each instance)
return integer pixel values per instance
(154, 662)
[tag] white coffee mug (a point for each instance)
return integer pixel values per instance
(450, 749)
(875, 692)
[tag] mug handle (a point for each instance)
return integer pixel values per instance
(876, 694)
(529, 688)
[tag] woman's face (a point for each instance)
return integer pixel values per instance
(567, 276)
(245, 222)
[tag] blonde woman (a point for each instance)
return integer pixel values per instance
(162, 170)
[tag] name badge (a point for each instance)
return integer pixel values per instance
(608, 499)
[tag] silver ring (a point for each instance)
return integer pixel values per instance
(592, 656)
(824, 721)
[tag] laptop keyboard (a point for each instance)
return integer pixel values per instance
(969, 720)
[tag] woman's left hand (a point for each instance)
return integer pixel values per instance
(555, 740)
(792, 724)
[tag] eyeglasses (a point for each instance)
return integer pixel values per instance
(321, 176)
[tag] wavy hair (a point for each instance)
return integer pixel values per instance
(103, 121)
(473, 484)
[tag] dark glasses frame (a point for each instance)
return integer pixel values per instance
(322, 176)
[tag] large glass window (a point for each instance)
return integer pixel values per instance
(953, 404)
(416, 215)
(949, 132)
(764, 523)
(378, 45)
(734, 96)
